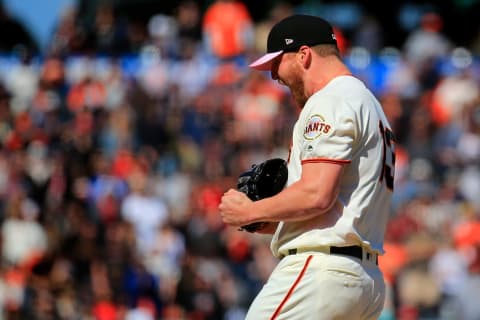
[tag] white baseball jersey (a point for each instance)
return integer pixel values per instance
(343, 123)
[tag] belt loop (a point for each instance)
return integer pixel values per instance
(370, 256)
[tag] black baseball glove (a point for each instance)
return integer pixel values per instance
(262, 181)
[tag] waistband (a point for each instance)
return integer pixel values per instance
(352, 251)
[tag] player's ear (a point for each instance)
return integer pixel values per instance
(304, 56)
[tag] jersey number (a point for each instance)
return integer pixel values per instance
(388, 168)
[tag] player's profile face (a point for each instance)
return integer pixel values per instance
(279, 70)
(274, 68)
(286, 71)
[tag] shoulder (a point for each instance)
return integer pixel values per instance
(347, 91)
(346, 86)
(338, 94)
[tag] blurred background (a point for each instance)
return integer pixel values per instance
(122, 123)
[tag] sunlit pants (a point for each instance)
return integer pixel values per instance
(320, 286)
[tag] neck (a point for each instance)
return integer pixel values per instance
(321, 73)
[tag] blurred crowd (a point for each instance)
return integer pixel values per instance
(118, 140)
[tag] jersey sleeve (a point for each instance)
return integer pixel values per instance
(328, 131)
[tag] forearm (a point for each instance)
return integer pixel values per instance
(312, 195)
(295, 203)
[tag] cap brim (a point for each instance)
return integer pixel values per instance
(264, 63)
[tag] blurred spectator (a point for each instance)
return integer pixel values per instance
(86, 92)
(228, 29)
(137, 35)
(418, 293)
(280, 10)
(427, 42)
(465, 306)
(176, 188)
(188, 18)
(144, 211)
(368, 34)
(23, 238)
(141, 288)
(452, 95)
(17, 35)
(106, 191)
(165, 261)
(190, 73)
(68, 37)
(163, 30)
(104, 310)
(199, 288)
(117, 131)
(153, 75)
(256, 104)
(22, 82)
(403, 79)
(167, 255)
(108, 34)
(449, 269)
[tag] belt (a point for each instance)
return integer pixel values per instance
(352, 251)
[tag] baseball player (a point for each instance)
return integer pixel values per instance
(328, 223)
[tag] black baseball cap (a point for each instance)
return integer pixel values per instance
(291, 33)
